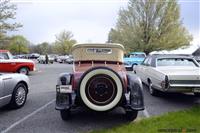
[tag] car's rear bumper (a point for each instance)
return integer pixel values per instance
(183, 88)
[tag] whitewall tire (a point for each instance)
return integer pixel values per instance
(115, 100)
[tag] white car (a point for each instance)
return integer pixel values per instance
(42, 59)
(170, 73)
(13, 89)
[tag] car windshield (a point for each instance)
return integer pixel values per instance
(175, 62)
(137, 55)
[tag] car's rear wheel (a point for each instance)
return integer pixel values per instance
(101, 89)
(152, 91)
(24, 70)
(65, 114)
(19, 96)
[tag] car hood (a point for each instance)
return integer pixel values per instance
(179, 70)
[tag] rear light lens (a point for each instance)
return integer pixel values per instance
(165, 83)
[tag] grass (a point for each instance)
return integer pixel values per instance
(185, 121)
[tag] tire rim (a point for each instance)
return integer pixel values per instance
(20, 96)
(23, 71)
(101, 89)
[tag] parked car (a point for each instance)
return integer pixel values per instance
(34, 56)
(13, 89)
(69, 60)
(62, 59)
(133, 59)
(99, 81)
(42, 59)
(170, 73)
(9, 64)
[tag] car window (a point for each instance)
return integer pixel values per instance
(149, 61)
(145, 61)
(175, 62)
(4, 56)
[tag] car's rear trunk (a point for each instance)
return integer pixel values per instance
(182, 75)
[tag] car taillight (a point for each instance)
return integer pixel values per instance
(165, 83)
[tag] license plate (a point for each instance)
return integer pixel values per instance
(65, 89)
(197, 90)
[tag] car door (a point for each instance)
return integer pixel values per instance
(1, 91)
(141, 72)
(5, 63)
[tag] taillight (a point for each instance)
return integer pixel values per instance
(165, 83)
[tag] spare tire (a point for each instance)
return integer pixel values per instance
(101, 88)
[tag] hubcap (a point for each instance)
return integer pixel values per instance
(23, 71)
(20, 96)
(101, 89)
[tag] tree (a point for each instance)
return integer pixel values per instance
(18, 45)
(149, 25)
(64, 42)
(7, 13)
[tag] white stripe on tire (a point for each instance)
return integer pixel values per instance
(117, 97)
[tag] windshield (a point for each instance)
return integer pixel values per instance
(137, 56)
(175, 62)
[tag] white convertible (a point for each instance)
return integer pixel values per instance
(170, 73)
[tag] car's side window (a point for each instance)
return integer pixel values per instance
(145, 61)
(149, 61)
(4, 56)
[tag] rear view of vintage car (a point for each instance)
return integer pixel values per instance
(99, 81)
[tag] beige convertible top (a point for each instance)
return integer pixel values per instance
(98, 51)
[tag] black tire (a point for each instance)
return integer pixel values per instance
(197, 94)
(19, 96)
(23, 70)
(65, 114)
(152, 91)
(131, 115)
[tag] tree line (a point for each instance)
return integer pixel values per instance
(144, 25)
(150, 25)
(18, 44)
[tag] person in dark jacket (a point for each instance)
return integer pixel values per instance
(47, 59)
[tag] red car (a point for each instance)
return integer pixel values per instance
(9, 64)
(99, 81)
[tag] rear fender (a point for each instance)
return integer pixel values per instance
(136, 100)
(63, 100)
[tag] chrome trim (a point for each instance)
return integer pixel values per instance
(5, 97)
(7, 78)
(184, 85)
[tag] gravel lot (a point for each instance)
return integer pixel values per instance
(39, 114)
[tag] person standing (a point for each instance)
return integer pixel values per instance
(47, 59)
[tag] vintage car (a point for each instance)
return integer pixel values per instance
(9, 64)
(99, 82)
(13, 89)
(42, 59)
(133, 59)
(170, 73)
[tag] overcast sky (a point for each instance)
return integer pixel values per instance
(89, 20)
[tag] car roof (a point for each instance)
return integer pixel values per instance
(171, 56)
(3, 50)
(98, 45)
